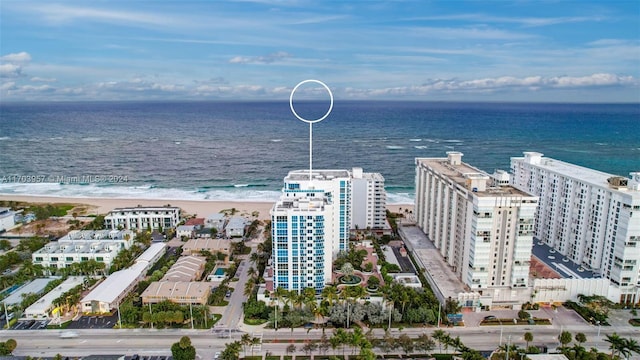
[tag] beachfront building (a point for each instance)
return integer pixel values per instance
(312, 219)
(587, 216)
(79, 246)
(7, 219)
(142, 218)
(483, 232)
(41, 309)
(216, 221)
(235, 227)
(368, 200)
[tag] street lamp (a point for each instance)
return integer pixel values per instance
(598, 323)
(501, 328)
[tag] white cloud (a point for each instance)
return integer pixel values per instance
(13, 64)
(41, 79)
(10, 70)
(268, 59)
(17, 58)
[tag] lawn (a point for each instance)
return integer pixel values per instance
(509, 321)
(634, 322)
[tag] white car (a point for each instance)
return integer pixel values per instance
(217, 355)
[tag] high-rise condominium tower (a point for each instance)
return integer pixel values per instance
(484, 231)
(590, 217)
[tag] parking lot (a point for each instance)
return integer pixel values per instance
(30, 325)
(95, 322)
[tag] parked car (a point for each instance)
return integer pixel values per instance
(490, 317)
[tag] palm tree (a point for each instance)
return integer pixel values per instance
(248, 286)
(632, 345)
(440, 336)
(342, 338)
(616, 343)
(528, 337)
(251, 272)
(245, 340)
(330, 293)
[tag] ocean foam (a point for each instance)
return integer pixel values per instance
(156, 193)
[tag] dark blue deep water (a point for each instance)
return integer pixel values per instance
(242, 150)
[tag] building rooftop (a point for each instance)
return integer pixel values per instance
(467, 176)
(151, 252)
(558, 262)
(210, 244)
(111, 288)
(44, 303)
(97, 235)
(445, 279)
(300, 204)
(216, 217)
(35, 287)
(187, 268)
(177, 289)
(303, 175)
(146, 208)
(195, 222)
(584, 174)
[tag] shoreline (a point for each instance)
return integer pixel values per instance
(202, 208)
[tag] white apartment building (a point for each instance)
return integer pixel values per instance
(83, 245)
(587, 216)
(7, 219)
(483, 232)
(142, 218)
(368, 200)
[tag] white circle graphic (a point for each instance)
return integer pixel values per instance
(294, 110)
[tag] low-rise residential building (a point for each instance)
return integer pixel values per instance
(196, 246)
(235, 227)
(187, 268)
(180, 292)
(109, 294)
(197, 222)
(187, 231)
(35, 286)
(152, 254)
(142, 218)
(7, 219)
(78, 246)
(216, 221)
(43, 306)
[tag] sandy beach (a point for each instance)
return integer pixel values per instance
(201, 208)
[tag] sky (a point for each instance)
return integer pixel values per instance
(539, 51)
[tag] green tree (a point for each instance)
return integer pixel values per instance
(183, 350)
(564, 338)
(528, 337)
(10, 345)
(231, 351)
(406, 343)
(441, 337)
(616, 343)
(581, 338)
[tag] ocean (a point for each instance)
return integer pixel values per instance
(241, 151)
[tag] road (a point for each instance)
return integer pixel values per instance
(234, 312)
(158, 342)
